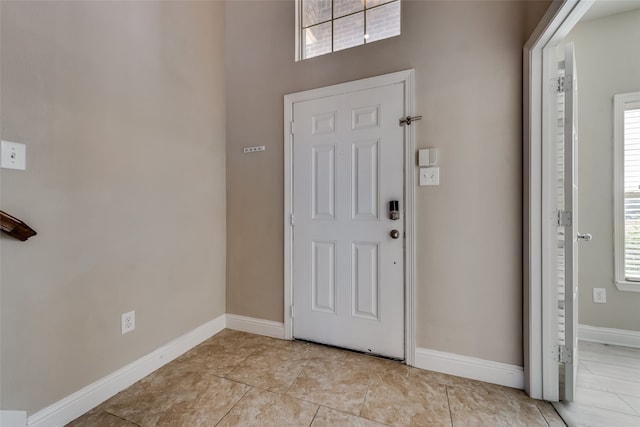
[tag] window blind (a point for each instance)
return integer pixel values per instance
(632, 191)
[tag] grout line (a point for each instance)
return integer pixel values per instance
(314, 415)
(621, 396)
(369, 419)
(446, 388)
(234, 405)
(350, 414)
(366, 392)
(542, 415)
(122, 418)
(285, 393)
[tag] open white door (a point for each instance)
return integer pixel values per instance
(568, 235)
(544, 130)
(569, 352)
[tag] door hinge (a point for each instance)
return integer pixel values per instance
(292, 220)
(564, 219)
(562, 84)
(292, 128)
(565, 355)
(291, 311)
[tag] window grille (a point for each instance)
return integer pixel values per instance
(325, 26)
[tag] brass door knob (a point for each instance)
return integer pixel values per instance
(394, 234)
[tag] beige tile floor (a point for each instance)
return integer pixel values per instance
(607, 387)
(240, 379)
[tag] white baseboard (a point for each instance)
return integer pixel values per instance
(71, 407)
(256, 326)
(13, 418)
(620, 337)
(470, 367)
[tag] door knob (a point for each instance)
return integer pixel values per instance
(394, 234)
(586, 237)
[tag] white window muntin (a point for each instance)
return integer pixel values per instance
(336, 25)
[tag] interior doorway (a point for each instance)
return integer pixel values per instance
(604, 383)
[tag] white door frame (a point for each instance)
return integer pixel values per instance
(541, 381)
(407, 79)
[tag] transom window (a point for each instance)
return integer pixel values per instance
(325, 26)
(627, 190)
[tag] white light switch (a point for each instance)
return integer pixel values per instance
(429, 176)
(428, 157)
(14, 155)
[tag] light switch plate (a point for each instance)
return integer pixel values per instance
(429, 176)
(427, 157)
(14, 155)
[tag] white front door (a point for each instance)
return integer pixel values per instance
(348, 255)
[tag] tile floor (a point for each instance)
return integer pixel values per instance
(240, 379)
(607, 389)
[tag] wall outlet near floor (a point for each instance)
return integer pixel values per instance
(599, 295)
(128, 322)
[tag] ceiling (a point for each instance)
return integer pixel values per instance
(602, 8)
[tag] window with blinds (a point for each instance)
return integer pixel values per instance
(627, 172)
(325, 26)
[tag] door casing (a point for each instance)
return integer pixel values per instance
(541, 379)
(407, 79)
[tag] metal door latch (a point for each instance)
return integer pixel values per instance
(407, 120)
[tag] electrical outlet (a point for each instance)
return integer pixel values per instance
(599, 295)
(128, 322)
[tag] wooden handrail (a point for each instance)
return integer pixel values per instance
(15, 228)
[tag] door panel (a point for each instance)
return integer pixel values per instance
(567, 235)
(364, 284)
(323, 277)
(348, 273)
(571, 231)
(324, 198)
(365, 181)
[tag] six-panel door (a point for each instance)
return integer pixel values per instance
(348, 284)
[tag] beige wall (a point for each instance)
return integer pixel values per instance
(121, 106)
(608, 63)
(468, 62)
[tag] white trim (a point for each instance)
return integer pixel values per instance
(256, 326)
(407, 78)
(409, 222)
(298, 42)
(78, 403)
(470, 367)
(13, 418)
(540, 287)
(628, 286)
(622, 337)
(619, 102)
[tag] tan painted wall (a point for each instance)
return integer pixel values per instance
(608, 63)
(468, 62)
(121, 106)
